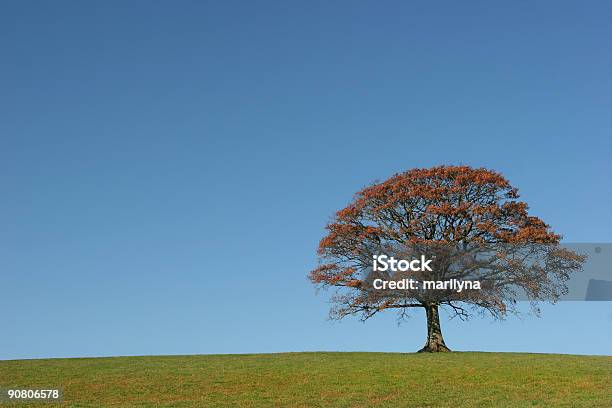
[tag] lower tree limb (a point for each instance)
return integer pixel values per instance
(435, 341)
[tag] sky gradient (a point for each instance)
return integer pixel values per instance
(167, 169)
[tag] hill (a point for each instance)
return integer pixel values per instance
(321, 380)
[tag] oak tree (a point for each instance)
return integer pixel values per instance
(470, 221)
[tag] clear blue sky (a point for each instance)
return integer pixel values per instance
(167, 168)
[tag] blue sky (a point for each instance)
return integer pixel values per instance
(167, 168)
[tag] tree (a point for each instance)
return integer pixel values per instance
(469, 221)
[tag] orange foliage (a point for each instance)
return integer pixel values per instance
(451, 204)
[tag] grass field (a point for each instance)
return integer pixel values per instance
(321, 380)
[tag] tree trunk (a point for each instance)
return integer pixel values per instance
(435, 341)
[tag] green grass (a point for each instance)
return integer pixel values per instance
(322, 380)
